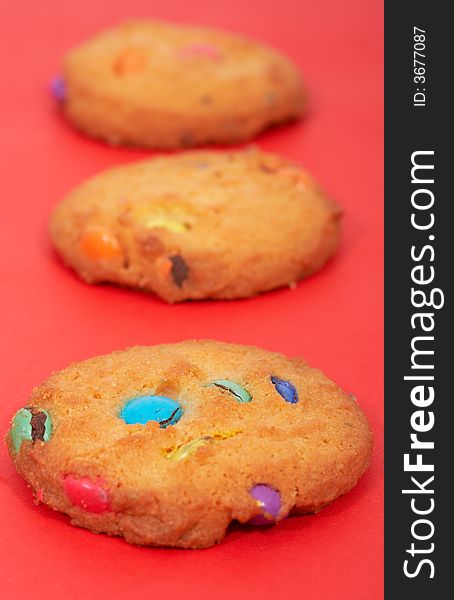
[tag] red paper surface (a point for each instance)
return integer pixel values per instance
(334, 319)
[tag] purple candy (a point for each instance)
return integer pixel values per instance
(269, 501)
(286, 389)
(58, 88)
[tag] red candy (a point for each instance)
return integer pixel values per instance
(86, 493)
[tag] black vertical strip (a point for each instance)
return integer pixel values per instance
(421, 407)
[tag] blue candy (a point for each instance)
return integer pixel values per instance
(285, 389)
(164, 411)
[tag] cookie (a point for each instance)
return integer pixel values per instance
(160, 85)
(166, 445)
(198, 225)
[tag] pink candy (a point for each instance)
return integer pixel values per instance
(205, 50)
(86, 493)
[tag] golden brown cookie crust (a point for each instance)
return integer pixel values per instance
(198, 225)
(161, 85)
(311, 451)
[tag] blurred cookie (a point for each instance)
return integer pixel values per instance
(198, 225)
(159, 85)
(166, 445)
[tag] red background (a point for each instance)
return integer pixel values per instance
(333, 319)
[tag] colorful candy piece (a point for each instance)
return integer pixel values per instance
(87, 493)
(269, 500)
(168, 213)
(31, 424)
(203, 50)
(164, 222)
(241, 394)
(186, 449)
(179, 270)
(58, 89)
(286, 389)
(98, 243)
(143, 409)
(132, 60)
(21, 428)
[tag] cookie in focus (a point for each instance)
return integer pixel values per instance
(166, 445)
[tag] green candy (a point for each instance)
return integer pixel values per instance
(21, 429)
(30, 424)
(237, 390)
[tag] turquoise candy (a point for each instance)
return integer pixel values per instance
(21, 428)
(237, 390)
(143, 409)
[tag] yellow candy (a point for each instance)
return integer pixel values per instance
(164, 223)
(187, 449)
(168, 215)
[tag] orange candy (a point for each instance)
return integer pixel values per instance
(132, 60)
(98, 243)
